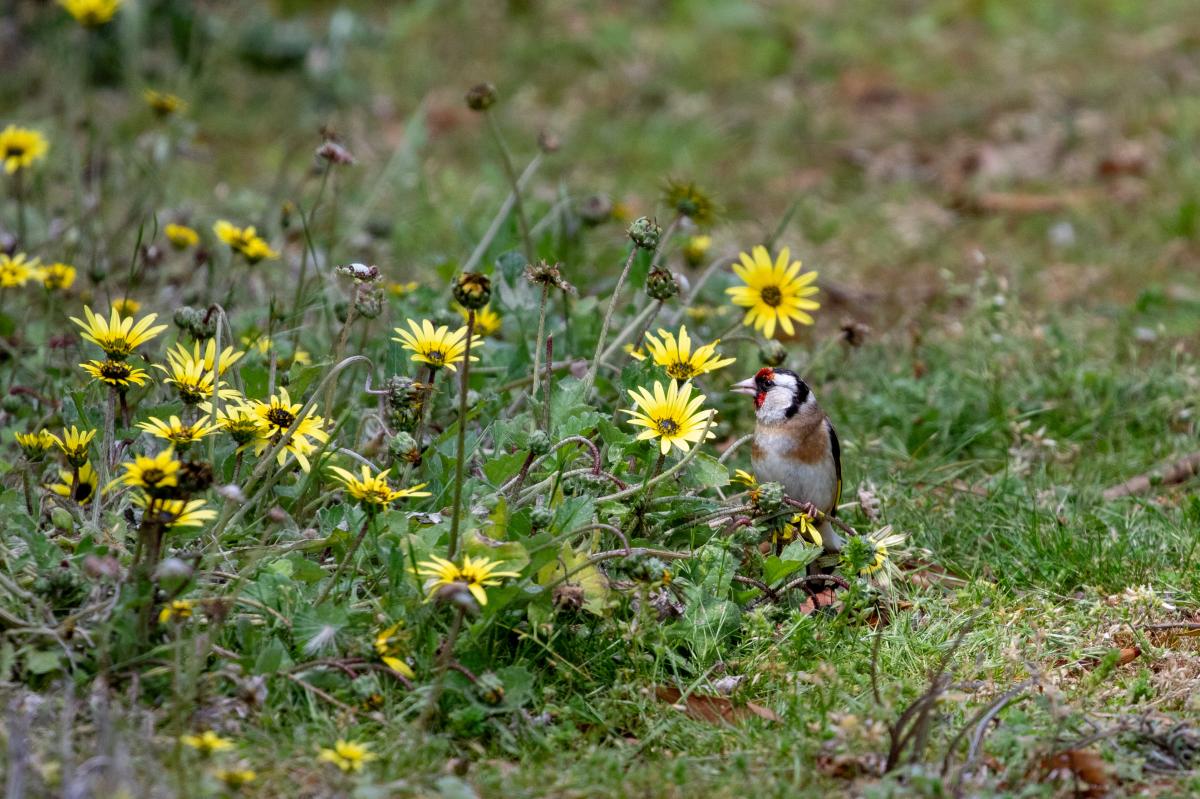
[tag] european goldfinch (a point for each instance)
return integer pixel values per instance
(795, 444)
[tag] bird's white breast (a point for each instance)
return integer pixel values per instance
(805, 482)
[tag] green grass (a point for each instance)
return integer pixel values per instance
(1018, 363)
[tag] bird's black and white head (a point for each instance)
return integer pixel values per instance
(779, 394)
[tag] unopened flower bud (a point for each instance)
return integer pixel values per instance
(539, 442)
(661, 284)
(541, 517)
(481, 97)
(472, 290)
(772, 353)
(767, 498)
(645, 233)
(403, 448)
(548, 142)
(368, 302)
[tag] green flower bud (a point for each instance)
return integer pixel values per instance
(539, 442)
(62, 520)
(645, 233)
(661, 284)
(403, 447)
(11, 403)
(541, 517)
(368, 303)
(767, 498)
(772, 352)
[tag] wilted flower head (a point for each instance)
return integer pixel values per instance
(334, 153)
(472, 290)
(688, 200)
(661, 285)
(481, 97)
(362, 273)
(547, 275)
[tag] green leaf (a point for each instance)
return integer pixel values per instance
(42, 662)
(705, 471)
(270, 658)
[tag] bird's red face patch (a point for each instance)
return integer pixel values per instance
(764, 379)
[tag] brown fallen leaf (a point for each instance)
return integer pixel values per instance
(1078, 765)
(713, 709)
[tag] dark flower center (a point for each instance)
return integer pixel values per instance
(82, 491)
(772, 296)
(681, 371)
(436, 355)
(14, 151)
(115, 370)
(667, 427)
(153, 477)
(281, 418)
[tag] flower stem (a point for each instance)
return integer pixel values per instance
(460, 452)
(27, 483)
(444, 657)
(511, 174)
(19, 191)
(106, 450)
(349, 557)
(537, 347)
(299, 297)
(612, 305)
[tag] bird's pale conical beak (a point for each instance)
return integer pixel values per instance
(747, 387)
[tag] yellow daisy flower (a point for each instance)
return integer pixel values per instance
(207, 742)
(475, 574)
(91, 13)
(193, 382)
(881, 565)
(80, 492)
(400, 289)
(347, 755)
(775, 293)
(164, 104)
(696, 248)
(235, 779)
(181, 610)
(388, 648)
(801, 526)
(34, 445)
(264, 345)
(176, 513)
(237, 419)
(181, 236)
(245, 241)
(154, 475)
(21, 147)
(435, 346)
(634, 352)
(176, 431)
(118, 336)
(57, 276)
(745, 478)
(487, 321)
(672, 416)
(676, 355)
(229, 356)
(116, 373)
(126, 306)
(374, 490)
(275, 417)
(16, 270)
(74, 444)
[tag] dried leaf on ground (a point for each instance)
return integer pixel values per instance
(713, 709)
